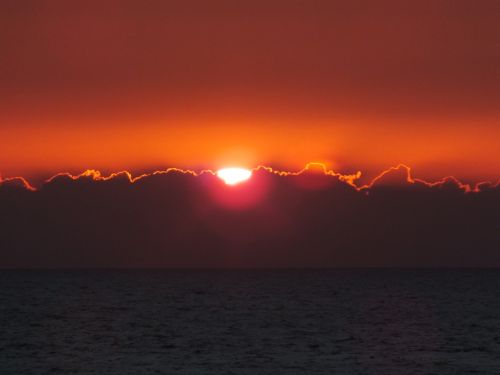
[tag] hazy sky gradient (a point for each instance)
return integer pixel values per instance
(357, 84)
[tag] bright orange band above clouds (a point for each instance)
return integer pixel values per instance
(358, 85)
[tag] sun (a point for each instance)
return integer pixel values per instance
(233, 176)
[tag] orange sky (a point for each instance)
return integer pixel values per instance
(361, 86)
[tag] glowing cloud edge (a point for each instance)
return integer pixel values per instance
(349, 179)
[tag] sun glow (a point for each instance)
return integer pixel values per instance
(233, 176)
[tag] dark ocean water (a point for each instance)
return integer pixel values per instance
(250, 322)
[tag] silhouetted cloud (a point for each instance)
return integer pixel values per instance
(314, 217)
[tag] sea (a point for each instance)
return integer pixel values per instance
(316, 321)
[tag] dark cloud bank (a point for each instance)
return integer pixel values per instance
(180, 220)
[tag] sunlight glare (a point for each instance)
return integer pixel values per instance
(233, 176)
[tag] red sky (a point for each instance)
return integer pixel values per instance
(360, 85)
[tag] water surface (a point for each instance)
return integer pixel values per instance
(360, 321)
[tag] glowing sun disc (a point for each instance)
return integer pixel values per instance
(233, 176)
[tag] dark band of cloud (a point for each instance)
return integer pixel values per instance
(310, 218)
